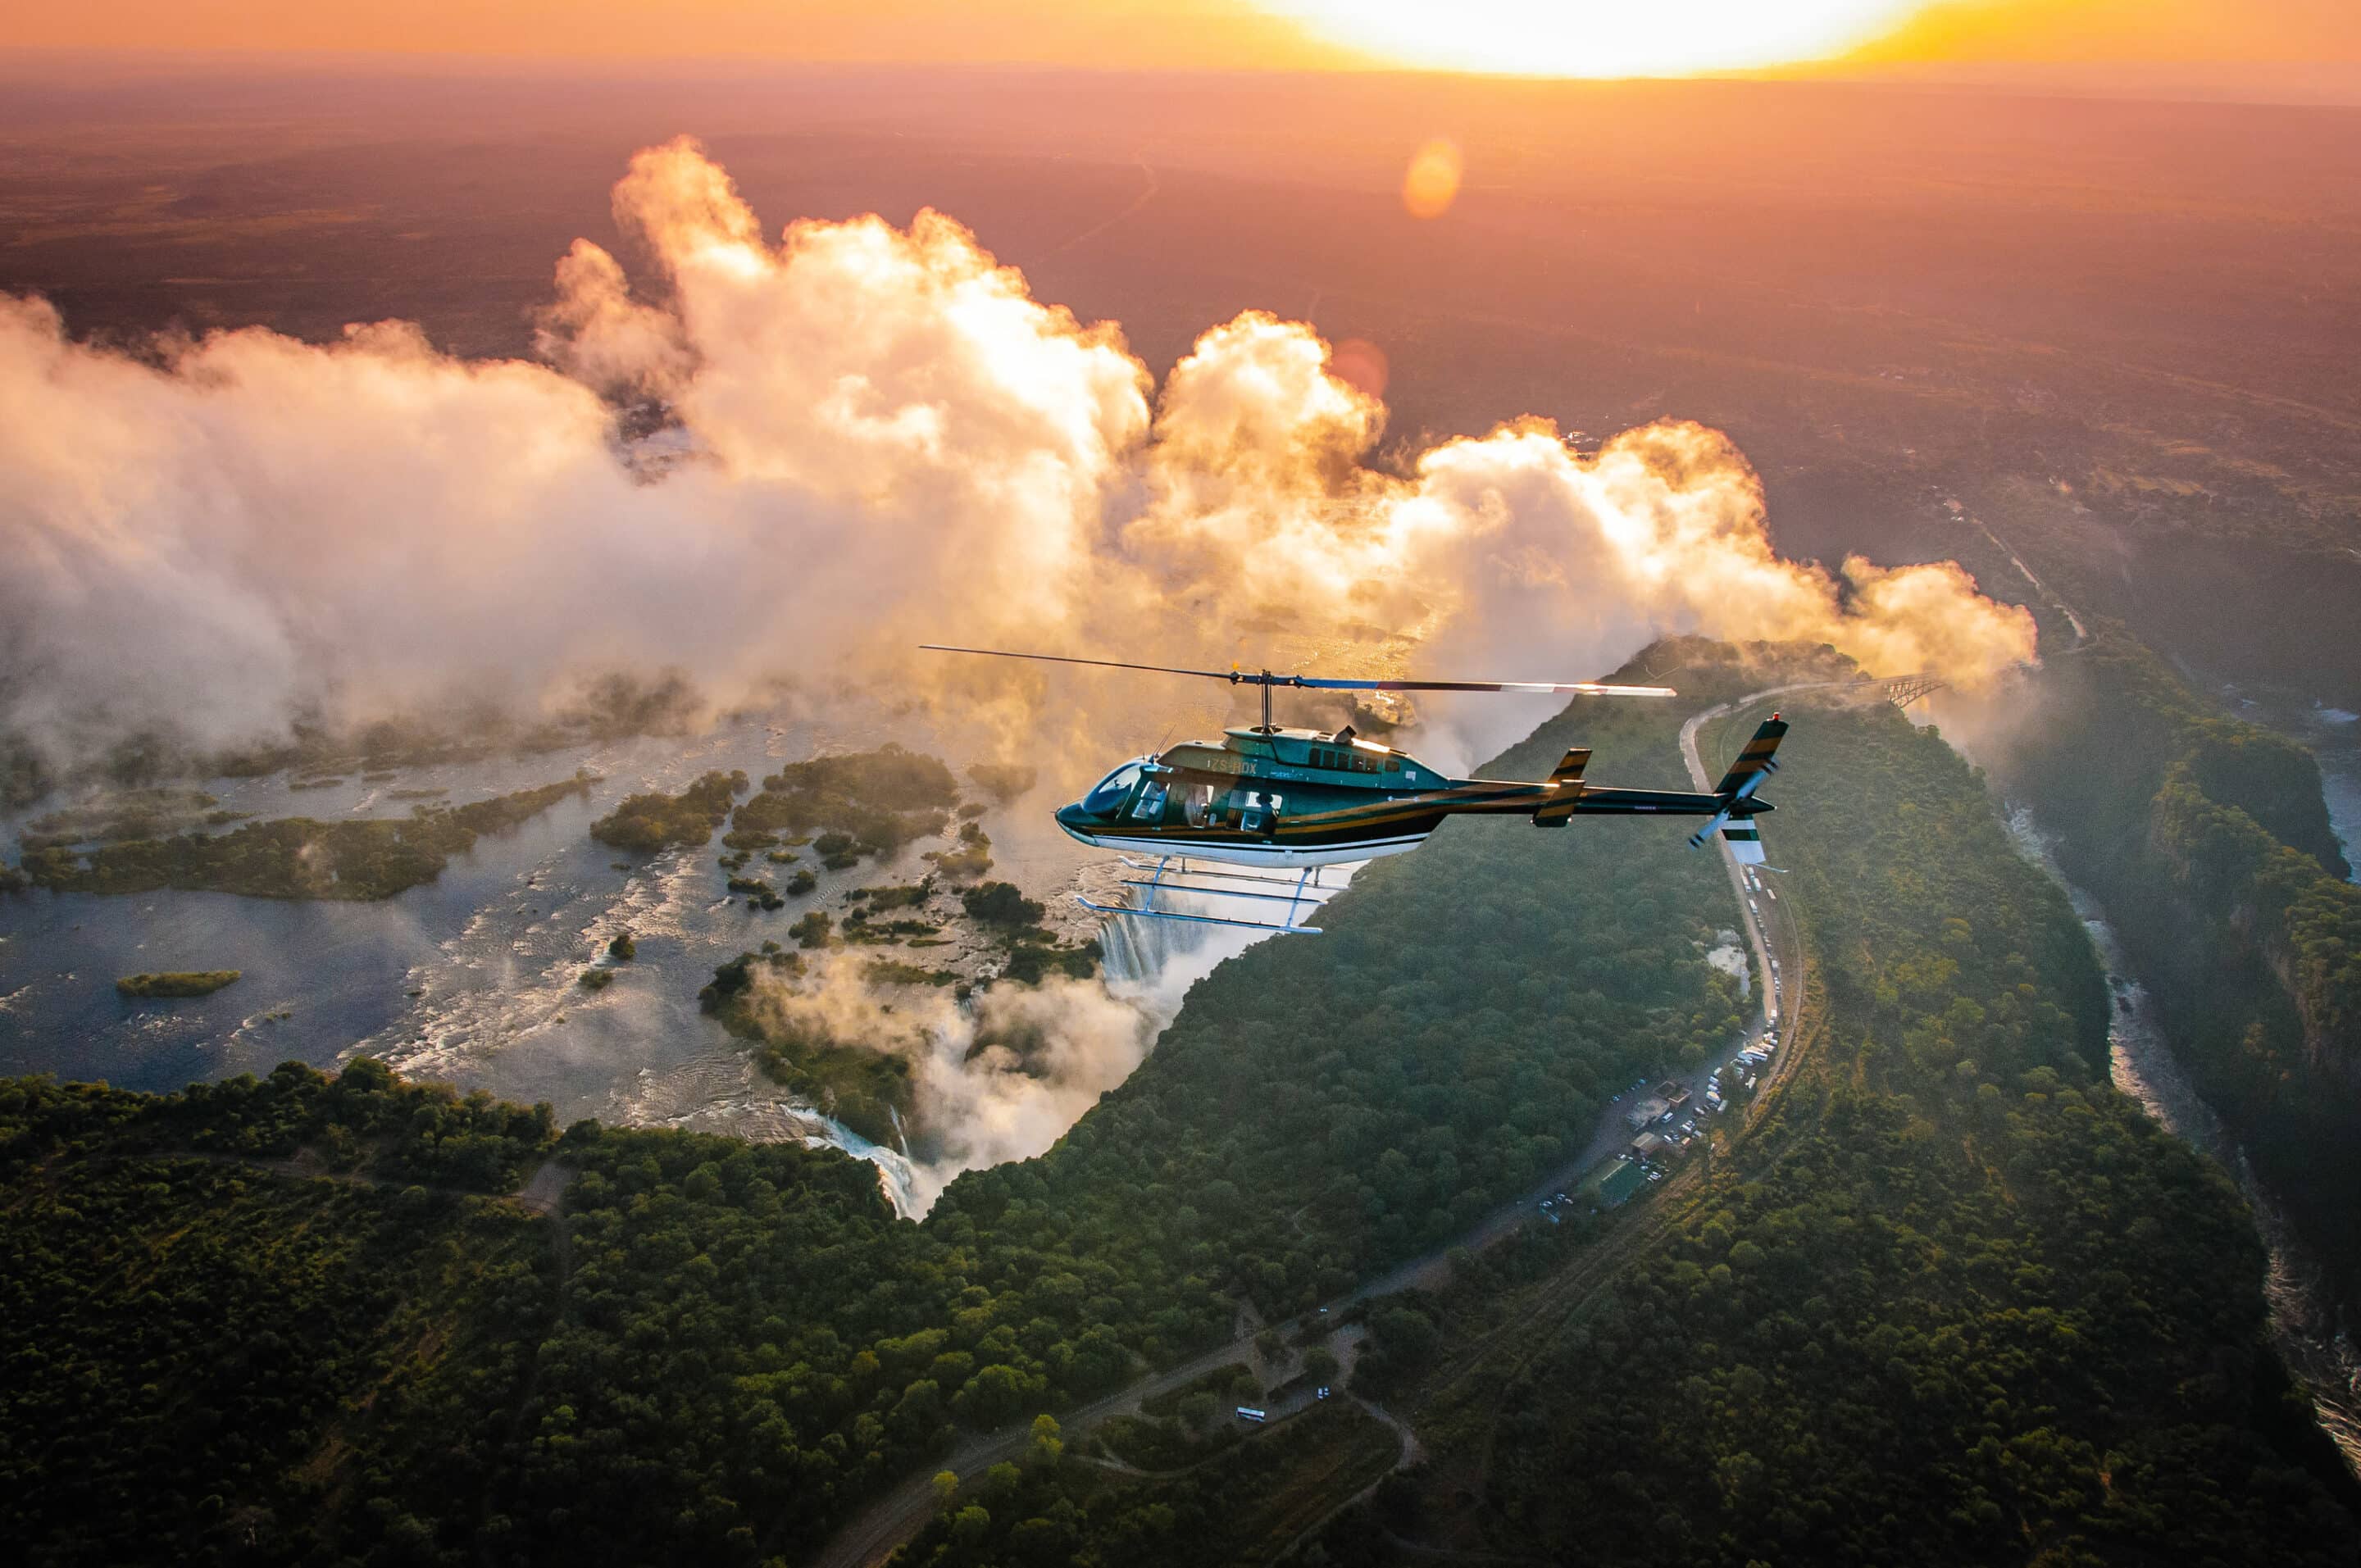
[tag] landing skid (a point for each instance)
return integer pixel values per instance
(1173, 874)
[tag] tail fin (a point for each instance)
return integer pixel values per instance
(1565, 780)
(1746, 773)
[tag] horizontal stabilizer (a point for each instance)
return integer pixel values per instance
(1570, 770)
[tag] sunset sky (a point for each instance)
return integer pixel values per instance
(1568, 37)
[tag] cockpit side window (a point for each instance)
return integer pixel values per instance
(1107, 797)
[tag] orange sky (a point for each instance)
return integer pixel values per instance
(2166, 31)
(1183, 34)
(1130, 34)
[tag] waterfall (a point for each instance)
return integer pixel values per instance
(896, 1177)
(1134, 952)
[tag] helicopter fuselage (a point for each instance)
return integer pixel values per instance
(1299, 798)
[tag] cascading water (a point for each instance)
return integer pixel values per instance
(896, 1175)
(1148, 965)
(2305, 1327)
(1154, 962)
(1135, 952)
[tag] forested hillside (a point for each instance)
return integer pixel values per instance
(1968, 1305)
(2206, 839)
(1958, 1302)
(209, 1360)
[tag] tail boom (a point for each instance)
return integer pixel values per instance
(1730, 809)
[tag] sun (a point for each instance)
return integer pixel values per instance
(1597, 38)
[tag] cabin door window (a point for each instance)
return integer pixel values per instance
(1261, 813)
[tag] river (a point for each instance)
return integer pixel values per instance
(471, 978)
(2307, 1325)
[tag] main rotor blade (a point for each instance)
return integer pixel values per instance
(1231, 675)
(1587, 688)
(1321, 682)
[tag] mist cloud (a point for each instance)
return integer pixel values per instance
(871, 437)
(996, 1080)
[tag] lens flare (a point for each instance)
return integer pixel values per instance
(1432, 182)
(1360, 364)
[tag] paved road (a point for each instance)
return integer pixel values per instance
(1768, 920)
(901, 1513)
(872, 1536)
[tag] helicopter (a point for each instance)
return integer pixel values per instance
(1282, 799)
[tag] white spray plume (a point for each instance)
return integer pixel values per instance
(880, 438)
(995, 1081)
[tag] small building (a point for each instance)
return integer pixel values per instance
(1647, 1146)
(1674, 1095)
(1621, 1183)
(1647, 1111)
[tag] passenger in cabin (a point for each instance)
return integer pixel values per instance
(1261, 814)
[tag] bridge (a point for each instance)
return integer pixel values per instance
(1903, 690)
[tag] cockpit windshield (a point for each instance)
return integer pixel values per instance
(1107, 797)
